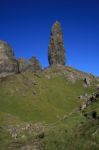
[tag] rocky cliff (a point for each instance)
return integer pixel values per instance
(31, 65)
(56, 51)
(8, 63)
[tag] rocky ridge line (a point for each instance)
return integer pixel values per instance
(10, 65)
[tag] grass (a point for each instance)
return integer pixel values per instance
(76, 134)
(35, 98)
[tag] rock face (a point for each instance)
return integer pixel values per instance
(33, 61)
(31, 65)
(23, 65)
(8, 63)
(56, 51)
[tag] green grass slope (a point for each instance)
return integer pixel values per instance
(83, 136)
(33, 97)
(49, 97)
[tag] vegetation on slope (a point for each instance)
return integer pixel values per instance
(33, 97)
(51, 98)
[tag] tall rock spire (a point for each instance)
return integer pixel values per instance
(56, 51)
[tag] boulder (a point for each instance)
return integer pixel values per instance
(56, 51)
(87, 81)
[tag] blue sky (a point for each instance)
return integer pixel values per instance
(26, 24)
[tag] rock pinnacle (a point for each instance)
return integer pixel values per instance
(56, 50)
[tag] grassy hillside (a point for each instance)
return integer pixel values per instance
(50, 98)
(33, 97)
(83, 136)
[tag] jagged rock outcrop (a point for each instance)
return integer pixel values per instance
(8, 63)
(33, 61)
(31, 65)
(89, 100)
(56, 51)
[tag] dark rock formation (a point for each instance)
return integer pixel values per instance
(56, 52)
(8, 63)
(31, 65)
